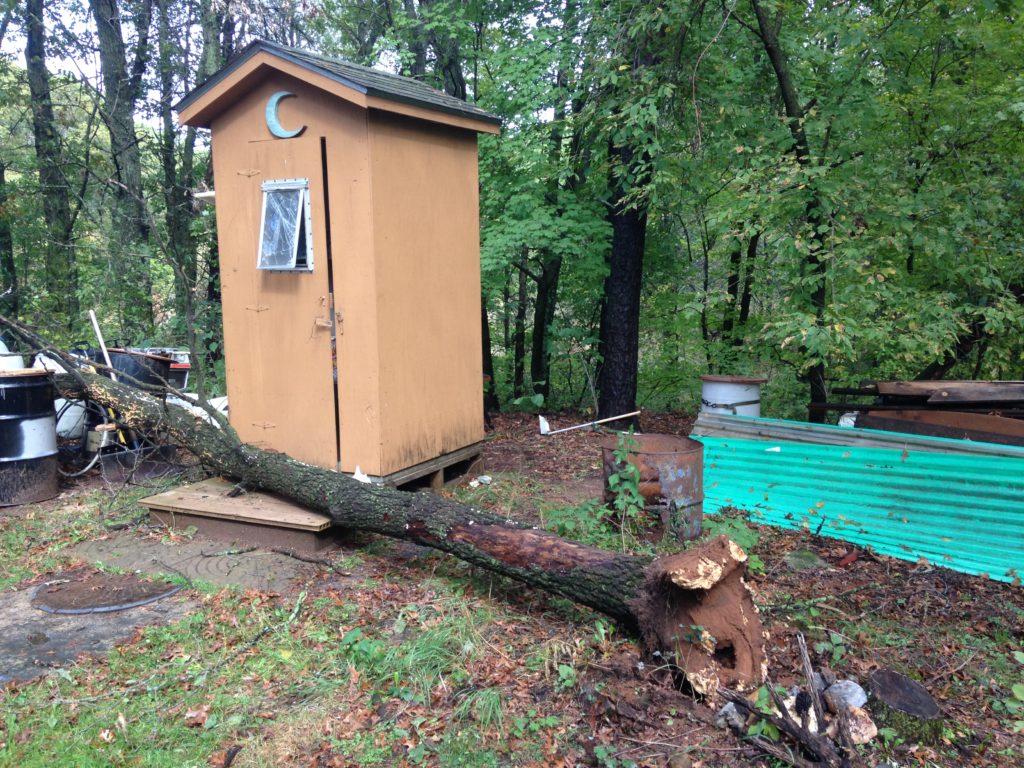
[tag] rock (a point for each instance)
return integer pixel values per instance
(729, 716)
(862, 727)
(680, 760)
(828, 676)
(819, 682)
(845, 695)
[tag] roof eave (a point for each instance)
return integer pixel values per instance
(201, 106)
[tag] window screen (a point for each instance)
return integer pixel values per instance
(285, 242)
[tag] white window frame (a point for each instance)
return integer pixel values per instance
(302, 217)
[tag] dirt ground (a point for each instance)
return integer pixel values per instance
(596, 699)
(864, 612)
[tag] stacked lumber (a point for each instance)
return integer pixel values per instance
(985, 411)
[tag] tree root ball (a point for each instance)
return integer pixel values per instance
(698, 611)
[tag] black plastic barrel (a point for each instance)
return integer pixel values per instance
(150, 370)
(28, 437)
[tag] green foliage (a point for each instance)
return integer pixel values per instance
(904, 214)
(765, 706)
(834, 646)
(586, 523)
(739, 531)
(624, 484)
(1011, 704)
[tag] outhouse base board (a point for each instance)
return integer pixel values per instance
(435, 473)
(253, 518)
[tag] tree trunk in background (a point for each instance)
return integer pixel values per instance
(732, 287)
(620, 318)
(178, 213)
(218, 46)
(543, 317)
(122, 87)
(748, 282)
(8, 270)
(60, 275)
(739, 284)
(417, 43)
(814, 211)
(491, 402)
(519, 336)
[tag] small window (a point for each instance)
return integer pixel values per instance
(285, 239)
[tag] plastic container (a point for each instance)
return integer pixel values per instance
(735, 395)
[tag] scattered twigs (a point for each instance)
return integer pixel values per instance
(812, 688)
(952, 670)
(821, 751)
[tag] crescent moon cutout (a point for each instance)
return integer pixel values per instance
(274, 123)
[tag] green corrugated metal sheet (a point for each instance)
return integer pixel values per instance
(960, 511)
(760, 428)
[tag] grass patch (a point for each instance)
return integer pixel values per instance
(508, 494)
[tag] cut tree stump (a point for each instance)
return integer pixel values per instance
(905, 705)
(693, 608)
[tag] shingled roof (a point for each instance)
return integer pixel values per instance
(365, 80)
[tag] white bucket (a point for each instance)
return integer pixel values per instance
(8, 360)
(72, 421)
(734, 395)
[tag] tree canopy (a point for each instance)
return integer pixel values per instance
(816, 192)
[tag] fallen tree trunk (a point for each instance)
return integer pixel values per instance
(694, 607)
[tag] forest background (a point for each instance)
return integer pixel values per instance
(819, 193)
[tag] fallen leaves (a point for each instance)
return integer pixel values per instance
(196, 718)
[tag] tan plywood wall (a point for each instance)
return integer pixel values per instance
(426, 241)
(279, 370)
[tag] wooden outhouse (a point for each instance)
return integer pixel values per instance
(348, 230)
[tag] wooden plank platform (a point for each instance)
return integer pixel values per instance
(434, 473)
(210, 499)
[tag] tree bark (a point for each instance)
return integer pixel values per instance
(60, 279)
(176, 180)
(814, 209)
(491, 401)
(122, 86)
(693, 607)
(8, 269)
(748, 282)
(543, 317)
(620, 318)
(519, 334)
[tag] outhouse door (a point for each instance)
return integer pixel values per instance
(280, 343)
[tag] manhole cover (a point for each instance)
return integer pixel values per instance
(78, 592)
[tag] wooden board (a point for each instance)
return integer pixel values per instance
(209, 499)
(956, 391)
(980, 392)
(978, 422)
(953, 424)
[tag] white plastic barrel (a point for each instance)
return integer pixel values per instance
(8, 360)
(735, 395)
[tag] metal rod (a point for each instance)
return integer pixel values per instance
(103, 345)
(590, 423)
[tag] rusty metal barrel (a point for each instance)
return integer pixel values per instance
(28, 437)
(671, 472)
